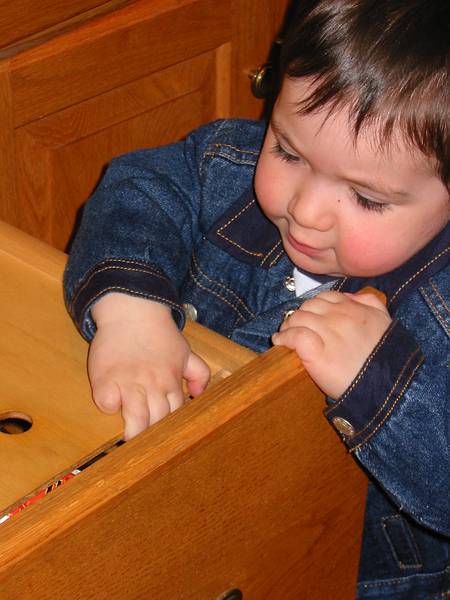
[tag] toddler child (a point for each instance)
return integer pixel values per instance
(265, 231)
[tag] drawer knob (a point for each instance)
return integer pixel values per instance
(233, 594)
(261, 80)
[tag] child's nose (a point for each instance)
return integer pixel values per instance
(313, 208)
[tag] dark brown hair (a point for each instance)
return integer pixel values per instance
(387, 60)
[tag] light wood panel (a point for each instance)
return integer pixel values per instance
(43, 374)
(43, 371)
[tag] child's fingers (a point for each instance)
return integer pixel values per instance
(142, 407)
(175, 400)
(368, 299)
(303, 318)
(197, 374)
(320, 305)
(106, 395)
(159, 406)
(328, 296)
(135, 410)
(307, 343)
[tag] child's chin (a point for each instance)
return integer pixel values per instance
(313, 266)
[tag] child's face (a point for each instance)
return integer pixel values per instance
(345, 208)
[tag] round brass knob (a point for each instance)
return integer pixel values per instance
(261, 80)
(234, 594)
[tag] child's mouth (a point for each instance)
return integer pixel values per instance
(303, 248)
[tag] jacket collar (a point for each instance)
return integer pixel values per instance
(246, 233)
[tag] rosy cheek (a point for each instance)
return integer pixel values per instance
(267, 192)
(367, 254)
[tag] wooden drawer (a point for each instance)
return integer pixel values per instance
(244, 487)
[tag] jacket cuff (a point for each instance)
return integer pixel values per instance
(378, 389)
(128, 277)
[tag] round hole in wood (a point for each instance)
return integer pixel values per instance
(13, 422)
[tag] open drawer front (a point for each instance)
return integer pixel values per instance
(246, 487)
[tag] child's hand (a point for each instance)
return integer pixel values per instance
(137, 361)
(333, 334)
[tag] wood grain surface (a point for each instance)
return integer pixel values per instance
(43, 371)
(246, 486)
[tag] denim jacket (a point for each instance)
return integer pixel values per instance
(180, 225)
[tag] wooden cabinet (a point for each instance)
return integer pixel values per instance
(115, 76)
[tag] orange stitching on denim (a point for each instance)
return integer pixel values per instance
(388, 582)
(270, 252)
(417, 273)
(144, 269)
(134, 293)
(364, 368)
(255, 152)
(215, 294)
(402, 391)
(219, 231)
(339, 284)
(417, 564)
(221, 234)
(236, 323)
(388, 397)
(440, 296)
(277, 257)
(215, 282)
(435, 310)
(233, 159)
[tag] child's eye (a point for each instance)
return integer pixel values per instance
(281, 153)
(370, 204)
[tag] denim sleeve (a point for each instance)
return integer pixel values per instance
(395, 419)
(138, 229)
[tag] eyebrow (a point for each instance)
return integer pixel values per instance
(281, 134)
(374, 186)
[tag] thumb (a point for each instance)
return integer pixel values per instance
(106, 395)
(368, 299)
(197, 374)
(307, 343)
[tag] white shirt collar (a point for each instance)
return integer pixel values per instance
(304, 282)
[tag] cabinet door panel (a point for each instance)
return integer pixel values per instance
(124, 46)
(66, 105)
(23, 20)
(75, 144)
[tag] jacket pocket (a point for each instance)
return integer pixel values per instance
(401, 542)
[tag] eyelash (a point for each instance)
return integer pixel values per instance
(364, 202)
(283, 155)
(367, 204)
